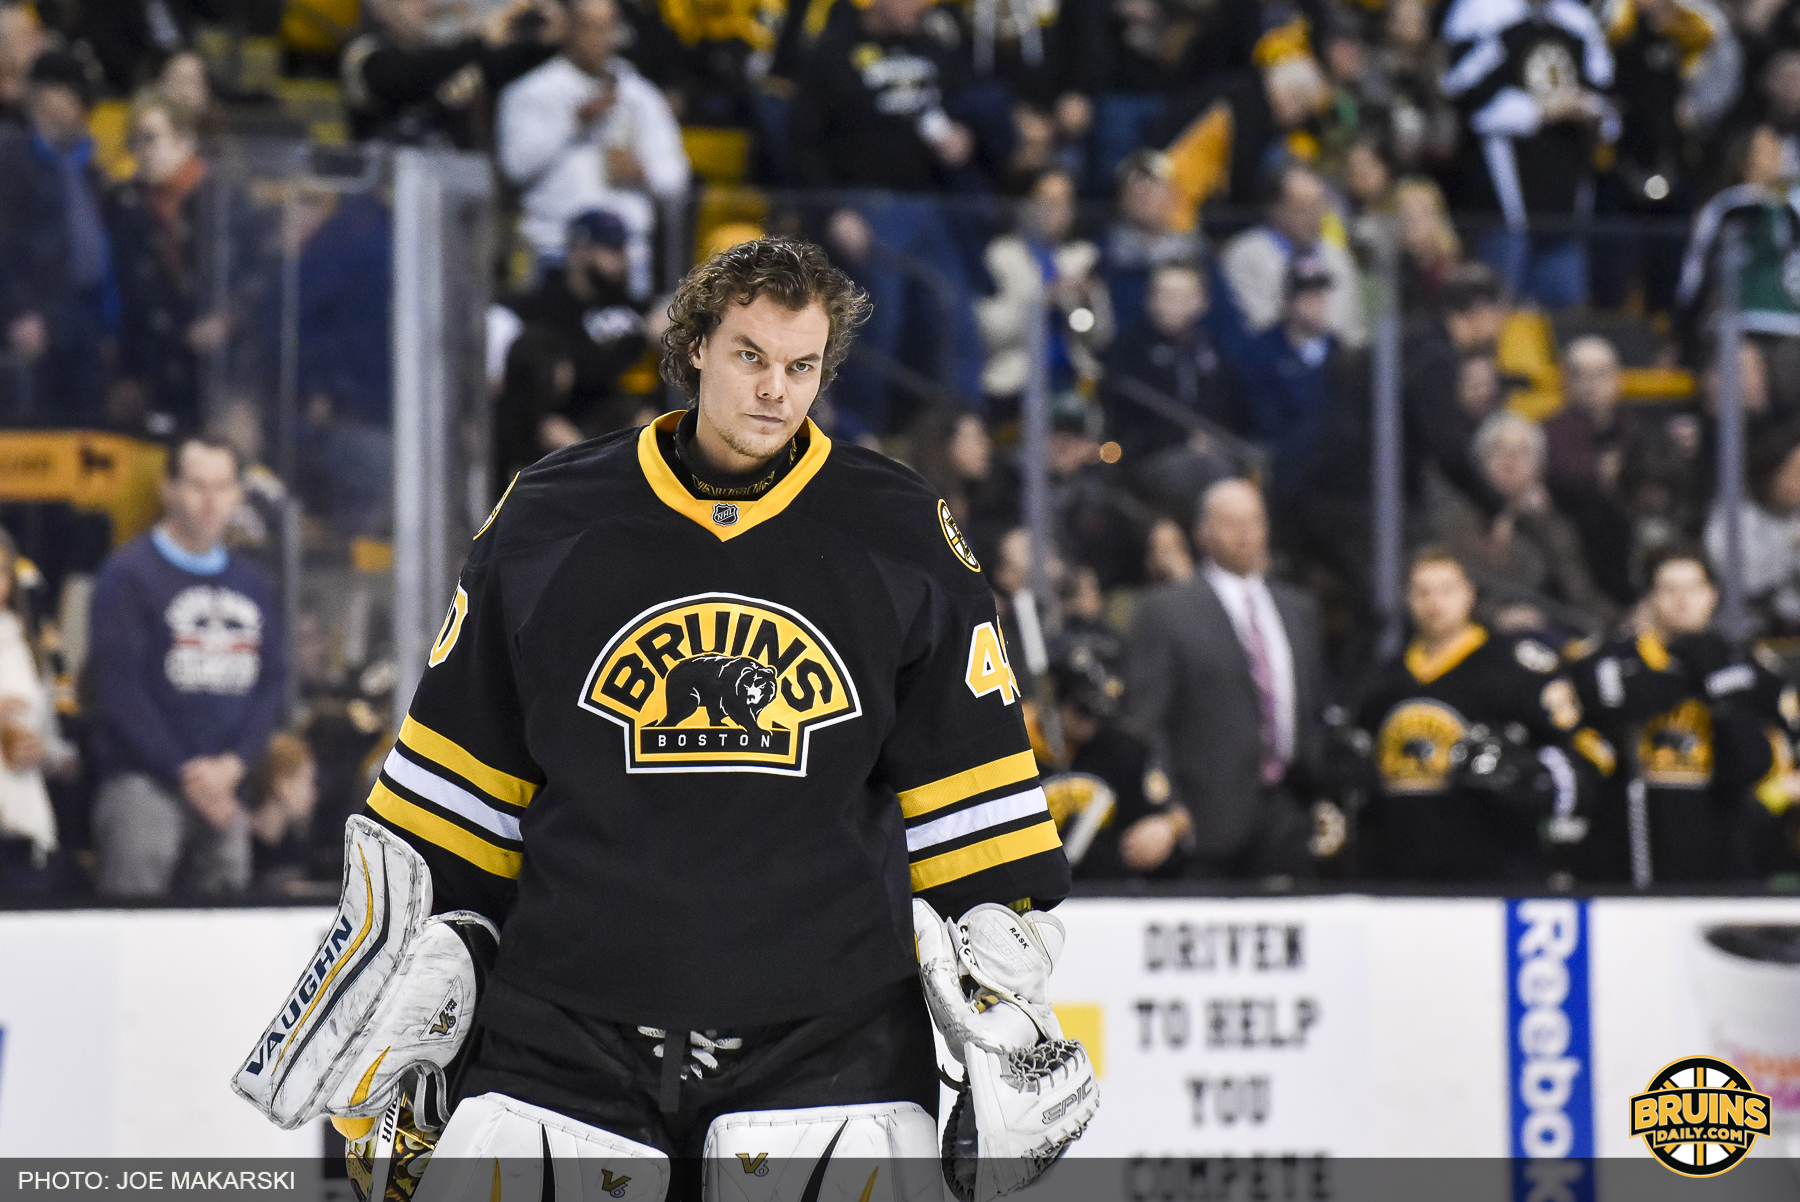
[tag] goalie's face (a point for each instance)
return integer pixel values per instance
(759, 375)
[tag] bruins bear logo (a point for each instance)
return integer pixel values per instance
(719, 683)
(734, 687)
(1675, 749)
(1412, 748)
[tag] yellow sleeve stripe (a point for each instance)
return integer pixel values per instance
(952, 789)
(444, 833)
(989, 853)
(1593, 745)
(495, 783)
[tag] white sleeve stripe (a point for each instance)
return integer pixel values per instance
(1564, 776)
(1469, 19)
(1503, 170)
(967, 822)
(1578, 20)
(1473, 67)
(1693, 263)
(1510, 114)
(452, 797)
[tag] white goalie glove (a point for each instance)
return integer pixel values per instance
(1028, 1093)
(390, 991)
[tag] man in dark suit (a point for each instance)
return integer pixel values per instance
(1226, 672)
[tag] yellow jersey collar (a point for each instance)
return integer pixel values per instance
(1427, 668)
(725, 520)
(1653, 652)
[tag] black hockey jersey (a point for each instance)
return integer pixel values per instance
(1509, 56)
(1417, 709)
(1701, 730)
(697, 756)
(1682, 706)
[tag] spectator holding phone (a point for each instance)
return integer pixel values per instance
(587, 131)
(400, 85)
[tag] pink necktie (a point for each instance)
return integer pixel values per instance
(1258, 654)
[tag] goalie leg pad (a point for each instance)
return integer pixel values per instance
(389, 990)
(883, 1152)
(497, 1149)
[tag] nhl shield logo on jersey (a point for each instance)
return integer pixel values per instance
(719, 683)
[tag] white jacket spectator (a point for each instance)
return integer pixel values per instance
(586, 131)
(1255, 262)
(1019, 294)
(1771, 543)
(25, 714)
(1768, 524)
(1083, 321)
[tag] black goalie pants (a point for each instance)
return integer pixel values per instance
(613, 1076)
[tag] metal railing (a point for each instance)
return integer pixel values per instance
(1250, 460)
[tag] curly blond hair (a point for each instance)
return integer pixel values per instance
(792, 273)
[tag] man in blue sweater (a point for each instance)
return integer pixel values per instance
(189, 671)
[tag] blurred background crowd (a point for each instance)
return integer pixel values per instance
(1205, 235)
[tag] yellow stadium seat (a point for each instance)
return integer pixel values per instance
(732, 233)
(108, 473)
(319, 105)
(644, 376)
(109, 124)
(1655, 384)
(245, 64)
(725, 216)
(371, 555)
(718, 155)
(319, 26)
(1528, 351)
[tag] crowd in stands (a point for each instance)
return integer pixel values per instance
(1188, 220)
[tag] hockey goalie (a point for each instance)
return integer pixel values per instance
(713, 802)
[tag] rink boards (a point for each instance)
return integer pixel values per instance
(1334, 1026)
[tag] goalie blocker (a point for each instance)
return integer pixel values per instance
(391, 991)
